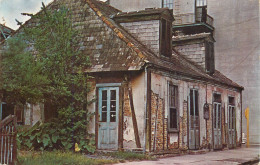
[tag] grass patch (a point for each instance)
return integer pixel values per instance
(59, 158)
(129, 156)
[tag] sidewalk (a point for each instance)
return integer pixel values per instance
(236, 156)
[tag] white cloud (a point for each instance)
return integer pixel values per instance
(12, 9)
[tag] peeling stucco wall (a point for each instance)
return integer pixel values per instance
(160, 89)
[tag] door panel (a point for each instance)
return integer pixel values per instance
(194, 136)
(217, 125)
(108, 118)
(231, 126)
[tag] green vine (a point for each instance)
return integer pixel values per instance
(43, 64)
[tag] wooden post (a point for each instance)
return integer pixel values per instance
(247, 123)
(137, 139)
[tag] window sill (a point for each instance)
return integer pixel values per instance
(173, 131)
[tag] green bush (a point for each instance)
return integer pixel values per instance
(54, 135)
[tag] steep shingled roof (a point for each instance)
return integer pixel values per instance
(111, 48)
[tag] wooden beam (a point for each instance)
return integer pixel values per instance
(121, 117)
(137, 139)
(149, 113)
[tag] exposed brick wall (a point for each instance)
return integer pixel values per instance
(209, 127)
(158, 136)
(145, 31)
(183, 127)
(127, 110)
(194, 52)
(128, 131)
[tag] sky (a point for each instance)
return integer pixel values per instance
(12, 9)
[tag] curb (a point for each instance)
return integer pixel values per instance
(253, 161)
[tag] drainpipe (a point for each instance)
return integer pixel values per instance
(145, 108)
(241, 116)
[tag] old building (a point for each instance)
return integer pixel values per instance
(5, 32)
(156, 88)
(237, 35)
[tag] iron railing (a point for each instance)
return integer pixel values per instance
(8, 147)
(191, 18)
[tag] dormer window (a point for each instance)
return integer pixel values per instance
(210, 61)
(167, 3)
(166, 38)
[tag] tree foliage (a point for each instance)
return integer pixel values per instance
(44, 65)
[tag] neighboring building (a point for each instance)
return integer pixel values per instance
(237, 52)
(5, 32)
(154, 92)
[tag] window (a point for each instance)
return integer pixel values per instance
(173, 110)
(210, 60)
(194, 106)
(168, 3)
(166, 36)
(200, 3)
(231, 113)
(201, 11)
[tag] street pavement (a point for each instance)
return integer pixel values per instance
(235, 156)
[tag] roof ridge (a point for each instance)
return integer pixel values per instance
(115, 29)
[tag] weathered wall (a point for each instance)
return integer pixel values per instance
(137, 83)
(180, 6)
(237, 52)
(194, 52)
(160, 107)
(145, 31)
(135, 5)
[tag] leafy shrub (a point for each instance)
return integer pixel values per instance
(57, 135)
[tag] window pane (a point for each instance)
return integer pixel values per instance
(104, 106)
(215, 115)
(112, 116)
(196, 104)
(168, 3)
(219, 116)
(173, 118)
(104, 116)
(191, 103)
(234, 117)
(104, 95)
(113, 94)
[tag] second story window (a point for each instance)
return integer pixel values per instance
(167, 3)
(200, 3)
(166, 38)
(201, 10)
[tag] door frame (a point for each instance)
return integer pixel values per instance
(119, 116)
(212, 116)
(234, 122)
(188, 119)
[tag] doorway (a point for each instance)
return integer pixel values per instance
(108, 105)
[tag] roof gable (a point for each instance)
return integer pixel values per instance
(111, 48)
